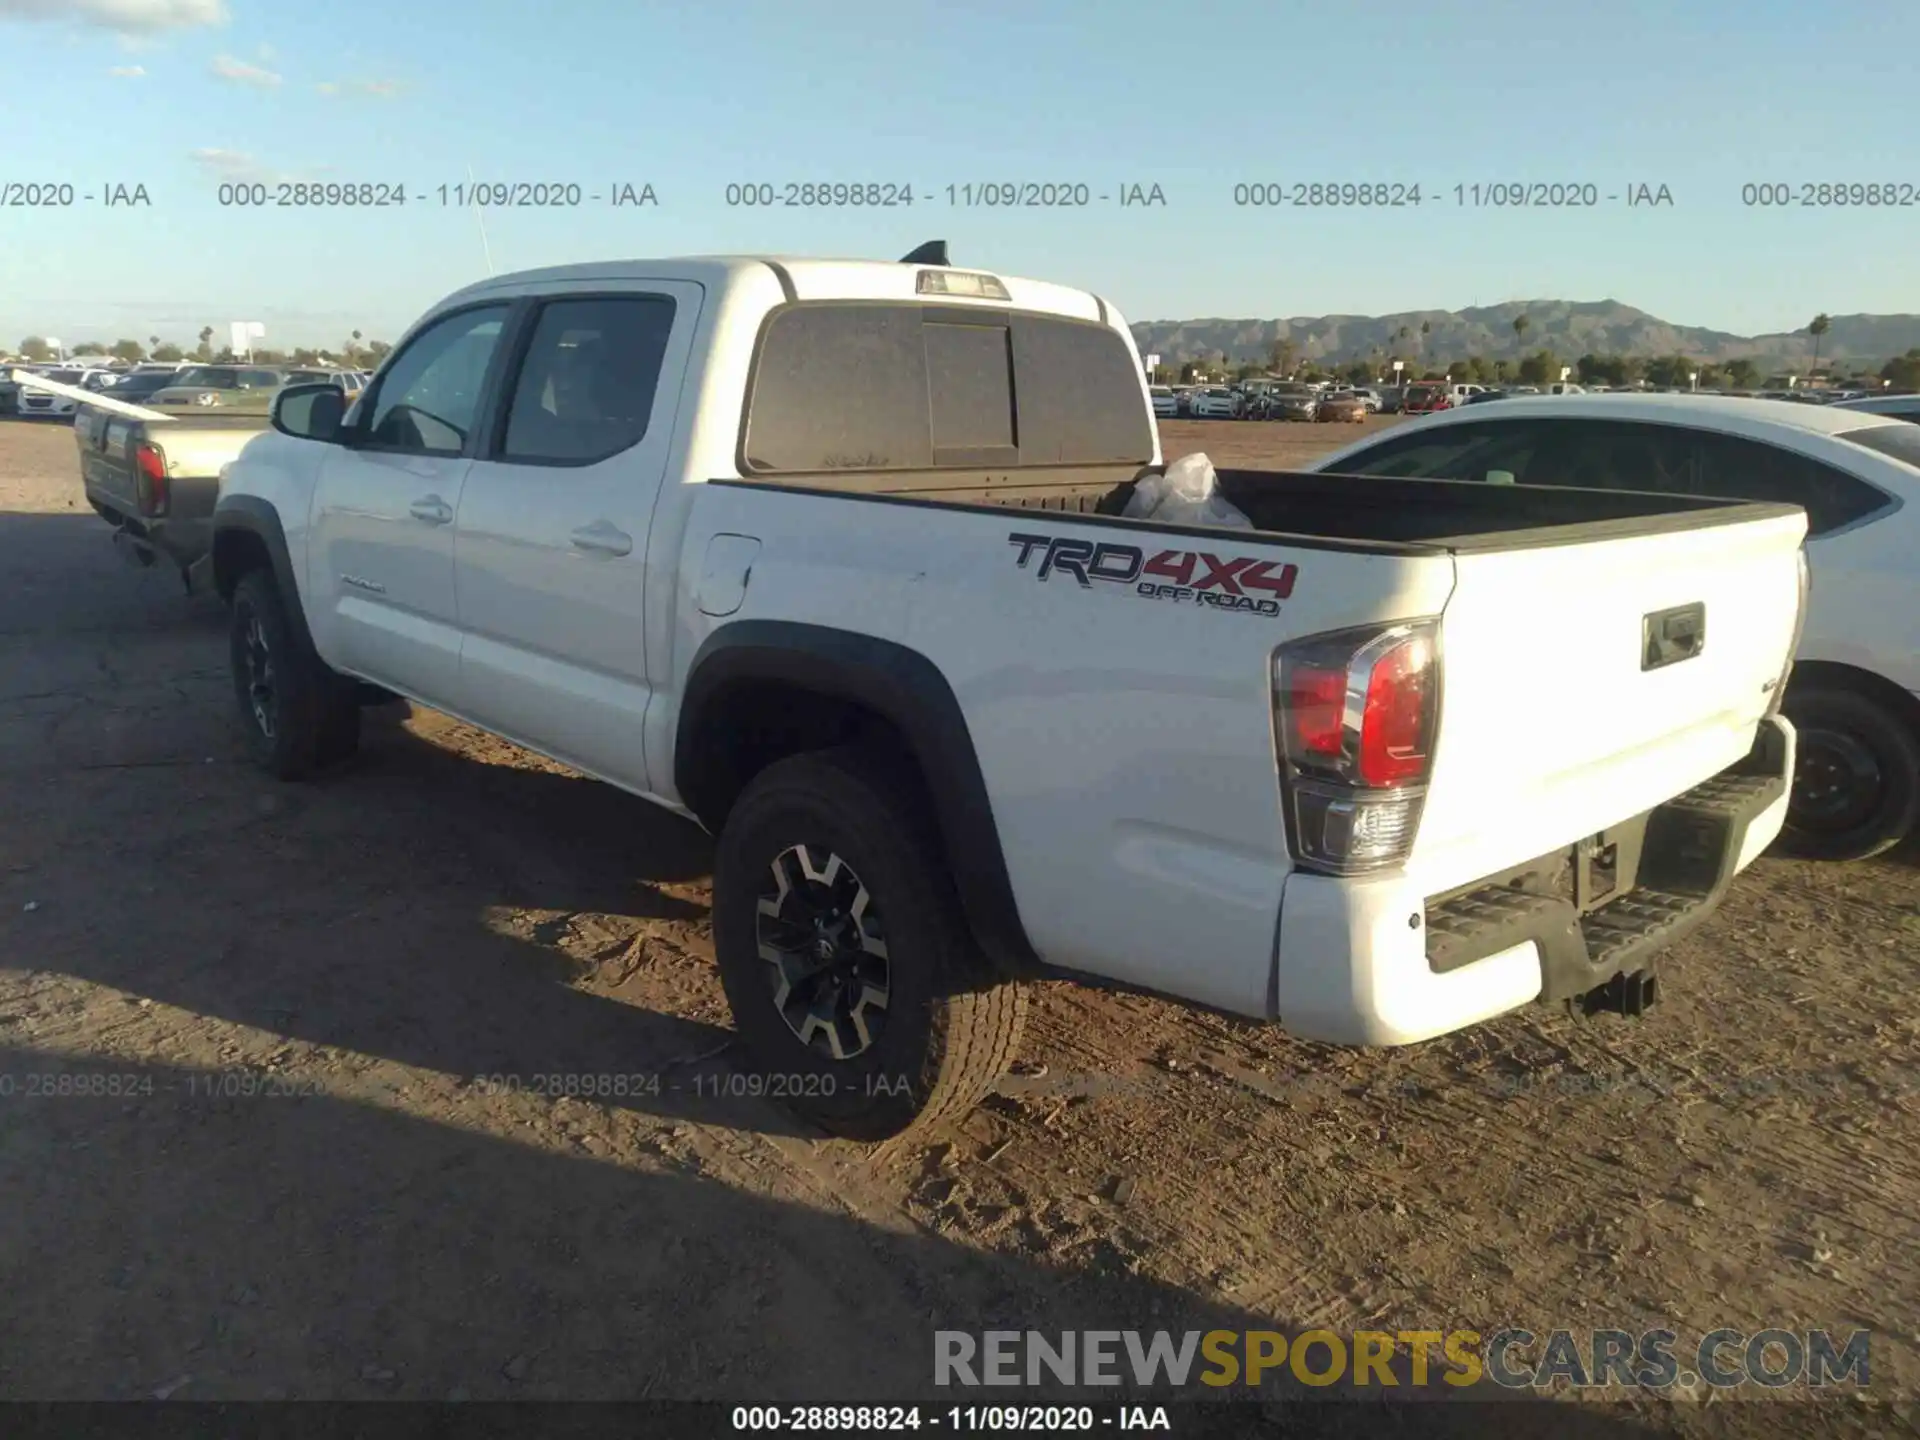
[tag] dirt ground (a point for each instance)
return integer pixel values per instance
(249, 1147)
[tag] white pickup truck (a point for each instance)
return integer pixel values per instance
(829, 556)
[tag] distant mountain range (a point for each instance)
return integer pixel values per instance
(1568, 328)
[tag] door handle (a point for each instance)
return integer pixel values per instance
(432, 509)
(603, 539)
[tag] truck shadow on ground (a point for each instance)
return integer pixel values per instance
(320, 1247)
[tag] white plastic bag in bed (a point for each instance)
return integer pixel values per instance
(1185, 495)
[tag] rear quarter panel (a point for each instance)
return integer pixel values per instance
(1126, 741)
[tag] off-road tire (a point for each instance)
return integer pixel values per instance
(1836, 724)
(311, 715)
(951, 1025)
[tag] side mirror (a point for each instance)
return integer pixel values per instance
(310, 412)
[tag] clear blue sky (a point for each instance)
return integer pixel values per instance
(1194, 97)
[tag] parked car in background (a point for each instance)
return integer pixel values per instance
(142, 385)
(1341, 405)
(1485, 395)
(156, 481)
(1216, 402)
(1370, 397)
(245, 388)
(1900, 407)
(1293, 401)
(1424, 397)
(1166, 406)
(1855, 691)
(35, 403)
(10, 388)
(351, 381)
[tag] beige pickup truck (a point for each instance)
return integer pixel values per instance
(156, 481)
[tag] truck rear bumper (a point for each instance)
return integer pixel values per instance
(1377, 962)
(184, 536)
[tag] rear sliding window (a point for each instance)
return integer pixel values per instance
(911, 387)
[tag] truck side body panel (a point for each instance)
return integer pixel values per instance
(1125, 737)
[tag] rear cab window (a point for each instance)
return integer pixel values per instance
(887, 387)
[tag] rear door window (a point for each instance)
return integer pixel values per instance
(1734, 468)
(1486, 451)
(1614, 455)
(587, 385)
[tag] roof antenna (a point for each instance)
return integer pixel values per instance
(481, 221)
(934, 252)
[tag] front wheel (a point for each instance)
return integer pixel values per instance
(1856, 782)
(298, 715)
(847, 962)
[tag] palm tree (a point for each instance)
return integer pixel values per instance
(1821, 324)
(1520, 324)
(153, 343)
(1426, 329)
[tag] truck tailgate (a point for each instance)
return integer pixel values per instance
(189, 450)
(105, 464)
(1572, 698)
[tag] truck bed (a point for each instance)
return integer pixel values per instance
(1465, 515)
(1369, 513)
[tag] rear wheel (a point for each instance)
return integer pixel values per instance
(854, 982)
(1856, 781)
(298, 714)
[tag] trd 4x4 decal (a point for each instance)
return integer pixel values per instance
(1233, 582)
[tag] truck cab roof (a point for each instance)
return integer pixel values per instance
(802, 278)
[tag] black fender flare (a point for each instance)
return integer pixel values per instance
(909, 691)
(252, 515)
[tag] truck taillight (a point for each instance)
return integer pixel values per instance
(1356, 713)
(150, 479)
